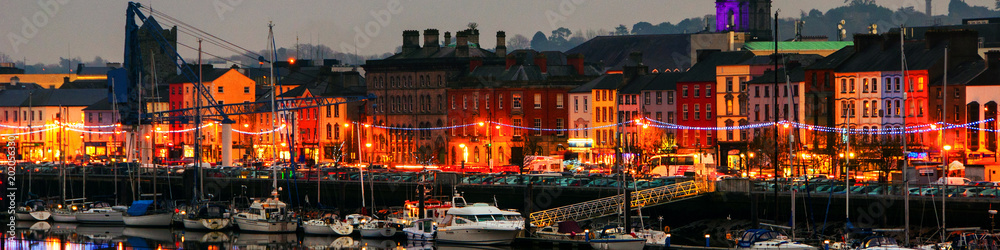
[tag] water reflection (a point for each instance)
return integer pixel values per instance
(71, 236)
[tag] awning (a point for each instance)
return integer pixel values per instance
(955, 165)
(139, 207)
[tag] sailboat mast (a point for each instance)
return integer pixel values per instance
(197, 127)
(944, 169)
(152, 148)
(906, 155)
(274, 94)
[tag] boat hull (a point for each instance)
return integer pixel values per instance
(206, 224)
(61, 217)
(100, 218)
(149, 220)
(321, 228)
(611, 244)
(476, 236)
(418, 235)
(384, 232)
(266, 226)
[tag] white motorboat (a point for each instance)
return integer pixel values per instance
(33, 210)
(268, 216)
(614, 238)
(141, 214)
(100, 213)
(653, 237)
(479, 224)
(879, 242)
(767, 239)
(329, 225)
(421, 230)
(207, 216)
(378, 229)
(564, 230)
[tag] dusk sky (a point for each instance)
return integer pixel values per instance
(87, 29)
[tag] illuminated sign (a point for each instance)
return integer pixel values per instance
(581, 143)
(917, 155)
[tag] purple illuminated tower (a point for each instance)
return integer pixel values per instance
(750, 16)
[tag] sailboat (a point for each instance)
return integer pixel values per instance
(270, 215)
(329, 224)
(146, 213)
(208, 216)
(33, 210)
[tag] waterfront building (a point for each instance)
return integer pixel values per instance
(45, 110)
(225, 86)
(697, 97)
(981, 100)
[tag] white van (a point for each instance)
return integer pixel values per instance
(952, 181)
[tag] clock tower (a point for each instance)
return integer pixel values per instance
(752, 17)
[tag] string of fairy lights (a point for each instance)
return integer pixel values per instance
(914, 129)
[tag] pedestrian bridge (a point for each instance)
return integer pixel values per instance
(612, 205)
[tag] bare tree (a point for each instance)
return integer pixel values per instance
(518, 42)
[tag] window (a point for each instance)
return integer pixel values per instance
(888, 85)
(659, 116)
(767, 91)
(864, 113)
(516, 101)
(670, 117)
(336, 131)
(697, 92)
(785, 111)
(729, 84)
(756, 91)
(576, 104)
(708, 90)
(246, 90)
(756, 112)
(646, 98)
(684, 113)
(874, 85)
(559, 101)
(538, 127)
(586, 106)
(897, 109)
(843, 85)
(767, 112)
(500, 102)
(888, 109)
(786, 90)
(697, 112)
(517, 123)
(475, 102)
(465, 102)
(875, 109)
(336, 110)
(670, 97)
(452, 102)
(795, 90)
(729, 106)
(538, 101)
(708, 111)
(852, 85)
(559, 127)
(898, 86)
(864, 85)
(729, 130)
(487, 102)
(328, 112)
(684, 91)
(659, 97)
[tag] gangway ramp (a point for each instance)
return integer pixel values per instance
(611, 205)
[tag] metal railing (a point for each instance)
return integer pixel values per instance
(612, 205)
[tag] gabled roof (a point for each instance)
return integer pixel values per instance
(704, 71)
(86, 84)
(875, 58)
(833, 60)
(51, 97)
(805, 45)
(963, 74)
(441, 52)
(637, 83)
(664, 81)
(796, 74)
(658, 51)
(102, 104)
(606, 81)
(989, 76)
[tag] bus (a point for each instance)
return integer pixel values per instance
(693, 164)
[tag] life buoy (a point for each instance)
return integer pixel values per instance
(591, 235)
(666, 229)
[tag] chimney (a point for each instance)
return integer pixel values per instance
(576, 60)
(501, 50)
(992, 59)
(65, 79)
(113, 65)
(543, 62)
(473, 36)
(964, 44)
(447, 39)
(511, 60)
(635, 58)
(474, 63)
(411, 41)
(634, 67)
(891, 39)
(928, 9)
(462, 44)
(933, 38)
(431, 39)
(864, 41)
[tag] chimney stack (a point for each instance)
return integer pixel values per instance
(473, 36)
(543, 62)
(928, 9)
(462, 44)
(992, 58)
(864, 41)
(431, 39)
(411, 41)
(447, 39)
(501, 50)
(576, 60)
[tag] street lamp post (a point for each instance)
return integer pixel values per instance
(944, 191)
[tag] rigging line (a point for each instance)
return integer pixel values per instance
(218, 57)
(199, 30)
(235, 51)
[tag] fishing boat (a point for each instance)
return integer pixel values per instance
(478, 224)
(33, 210)
(268, 216)
(421, 230)
(613, 238)
(327, 225)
